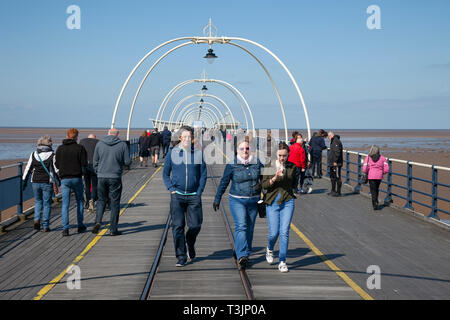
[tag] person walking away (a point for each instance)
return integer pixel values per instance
(71, 160)
(324, 135)
(280, 203)
(41, 167)
(166, 136)
(375, 165)
(144, 146)
(110, 156)
(245, 176)
(155, 143)
(297, 156)
(317, 144)
(90, 177)
(335, 162)
(184, 176)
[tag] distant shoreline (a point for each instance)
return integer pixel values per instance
(289, 129)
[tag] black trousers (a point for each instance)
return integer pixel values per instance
(90, 180)
(317, 164)
(185, 209)
(335, 177)
(109, 189)
(374, 189)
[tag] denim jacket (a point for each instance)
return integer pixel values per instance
(185, 172)
(246, 180)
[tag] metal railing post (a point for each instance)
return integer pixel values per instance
(408, 204)
(347, 170)
(20, 205)
(358, 185)
(434, 193)
(388, 198)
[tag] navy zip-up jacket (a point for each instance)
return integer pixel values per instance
(185, 172)
(317, 145)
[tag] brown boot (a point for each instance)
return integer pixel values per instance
(37, 225)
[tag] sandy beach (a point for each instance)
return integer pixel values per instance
(436, 156)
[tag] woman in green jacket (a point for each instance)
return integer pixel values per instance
(280, 204)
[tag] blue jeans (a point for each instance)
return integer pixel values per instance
(244, 213)
(75, 184)
(42, 199)
(192, 207)
(279, 218)
(109, 188)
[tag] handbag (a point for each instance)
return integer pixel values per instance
(365, 176)
(262, 206)
(51, 179)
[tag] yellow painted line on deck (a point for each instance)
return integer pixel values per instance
(58, 278)
(330, 264)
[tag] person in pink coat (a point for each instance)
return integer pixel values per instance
(375, 165)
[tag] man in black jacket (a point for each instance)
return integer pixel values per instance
(317, 144)
(155, 143)
(335, 161)
(166, 136)
(90, 177)
(71, 161)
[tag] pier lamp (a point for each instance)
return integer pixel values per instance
(210, 56)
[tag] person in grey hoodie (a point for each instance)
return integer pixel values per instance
(110, 155)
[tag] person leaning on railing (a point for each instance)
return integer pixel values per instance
(375, 165)
(41, 167)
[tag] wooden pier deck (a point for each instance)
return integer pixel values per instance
(332, 243)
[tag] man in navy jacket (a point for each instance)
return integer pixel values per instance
(184, 175)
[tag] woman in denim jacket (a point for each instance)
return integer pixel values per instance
(245, 191)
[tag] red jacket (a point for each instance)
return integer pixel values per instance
(297, 155)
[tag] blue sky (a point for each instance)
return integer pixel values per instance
(350, 76)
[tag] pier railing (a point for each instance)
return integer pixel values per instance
(402, 182)
(403, 171)
(12, 192)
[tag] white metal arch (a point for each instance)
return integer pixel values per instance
(209, 123)
(188, 121)
(209, 110)
(215, 40)
(185, 108)
(225, 84)
(143, 81)
(206, 112)
(178, 105)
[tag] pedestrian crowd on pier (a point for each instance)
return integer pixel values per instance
(93, 169)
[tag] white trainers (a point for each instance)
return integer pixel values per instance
(310, 190)
(269, 256)
(283, 267)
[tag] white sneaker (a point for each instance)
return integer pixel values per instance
(269, 256)
(283, 267)
(310, 190)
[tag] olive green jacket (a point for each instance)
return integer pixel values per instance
(284, 185)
